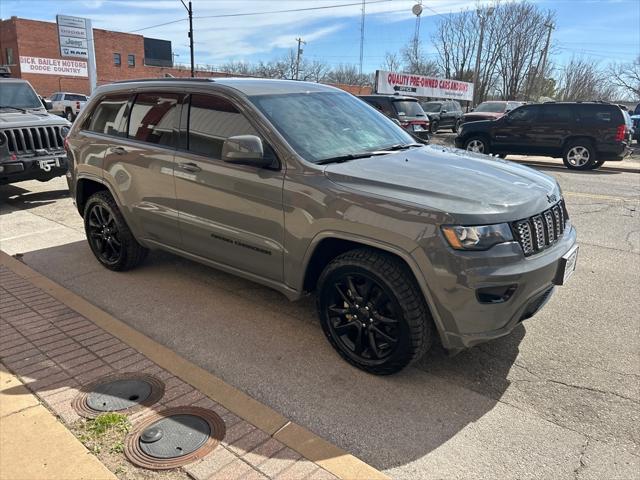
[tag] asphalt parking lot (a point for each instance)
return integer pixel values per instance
(558, 398)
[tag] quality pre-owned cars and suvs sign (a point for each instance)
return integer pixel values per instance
(422, 86)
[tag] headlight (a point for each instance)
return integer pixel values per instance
(477, 238)
(64, 131)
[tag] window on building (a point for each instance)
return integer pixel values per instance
(154, 118)
(107, 116)
(9, 54)
(211, 121)
(131, 60)
(117, 61)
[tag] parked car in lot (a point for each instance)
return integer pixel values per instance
(585, 135)
(490, 111)
(304, 188)
(405, 110)
(636, 127)
(67, 104)
(443, 114)
(31, 139)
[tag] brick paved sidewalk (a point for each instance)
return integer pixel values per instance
(56, 351)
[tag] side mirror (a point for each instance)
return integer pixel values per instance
(396, 121)
(443, 111)
(245, 150)
(46, 103)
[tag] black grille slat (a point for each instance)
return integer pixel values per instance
(29, 139)
(541, 231)
(37, 138)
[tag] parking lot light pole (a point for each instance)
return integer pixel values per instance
(190, 11)
(476, 71)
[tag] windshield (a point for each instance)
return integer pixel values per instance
(323, 125)
(496, 107)
(408, 108)
(19, 95)
(431, 107)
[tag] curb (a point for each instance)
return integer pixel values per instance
(330, 457)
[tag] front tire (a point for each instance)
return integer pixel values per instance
(108, 235)
(434, 126)
(456, 126)
(477, 144)
(579, 155)
(70, 116)
(372, 311)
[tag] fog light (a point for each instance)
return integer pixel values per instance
(498, 294)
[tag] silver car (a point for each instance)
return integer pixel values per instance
(306, 189)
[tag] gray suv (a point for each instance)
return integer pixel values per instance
(305, 188)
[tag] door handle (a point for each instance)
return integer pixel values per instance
(118, 150)
(189, 167)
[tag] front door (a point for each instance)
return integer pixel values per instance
(513, 132)
(230, 214)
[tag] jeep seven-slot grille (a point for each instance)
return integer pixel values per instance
(29, 139)
(536, 233)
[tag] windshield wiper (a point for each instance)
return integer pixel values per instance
(24, 110)
(401, 146)
(349, 156)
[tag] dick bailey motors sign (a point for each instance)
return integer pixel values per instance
(53, 66)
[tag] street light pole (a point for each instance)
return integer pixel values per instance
(300, 42)
(190, 12)
(476, 71)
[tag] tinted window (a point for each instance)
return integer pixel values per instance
(602, 114)
(107, 116)
(74, 97)
(408, 108)
(154, 117)
(323, 125)
(495, 107)
(211, 121)
(431, 107)
(54, 97)
(524, 114)
(556, 114)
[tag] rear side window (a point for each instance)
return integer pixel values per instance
(75, 98)
(212, 120)
(154, 118)
(600, 114)
(107, 116)
(556, 114)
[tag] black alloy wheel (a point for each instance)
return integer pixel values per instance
(103, 235)
(373, 312)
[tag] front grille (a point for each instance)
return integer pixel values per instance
(536, 233)
(29, 139)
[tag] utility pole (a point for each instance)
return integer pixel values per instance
(362, 36)
(476, 71)
(190, 12)
(300, 43)
(550, 27)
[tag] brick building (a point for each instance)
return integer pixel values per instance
(119, 56)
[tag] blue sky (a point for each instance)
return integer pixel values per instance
(600, 30)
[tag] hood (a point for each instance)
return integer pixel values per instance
(471, 188)
(471, 116)
(36, 118)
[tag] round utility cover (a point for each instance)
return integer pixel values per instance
(118, 395)
(179, 435)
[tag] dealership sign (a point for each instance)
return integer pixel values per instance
(422, 86)
(53, 66)
(72, 36)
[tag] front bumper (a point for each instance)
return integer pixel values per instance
(454, 279)
(29, 168)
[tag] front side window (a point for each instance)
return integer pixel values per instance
(524, 114)
(323, 125)
(212, 120)
(154, 118)
(117, 61)
(431, 107)
(107, 116)
(131, 60)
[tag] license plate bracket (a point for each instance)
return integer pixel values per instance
(48, 164)
(566, 266)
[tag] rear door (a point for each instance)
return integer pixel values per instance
(139, 165)
(230, 214)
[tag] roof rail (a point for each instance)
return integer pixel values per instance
(166, 79)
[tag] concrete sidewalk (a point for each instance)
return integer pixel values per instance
(27, 433)
(57, 343)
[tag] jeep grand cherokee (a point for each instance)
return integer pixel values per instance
(305, 188)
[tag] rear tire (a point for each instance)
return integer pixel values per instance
(109, 237)
(456, 126)
(69, 116)
(373, 312)
(597, 164)
(579, 155)
(433, 127)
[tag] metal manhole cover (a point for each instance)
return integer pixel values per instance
(125, 392)
(174, 437)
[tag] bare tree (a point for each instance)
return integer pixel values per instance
(315, 71)
(391, 62)
(415, 61)
(626, 76)
(455, 41)
(349, 75)
(582, 80)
